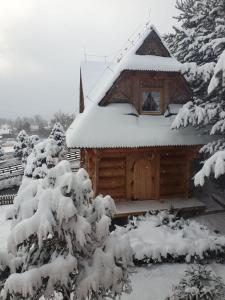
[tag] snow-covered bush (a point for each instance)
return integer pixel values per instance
(10, 182)
(60, 241)
(161, 237)
(58, 134)
(45, 155)
(21, 144)
(199, 282)
(24, 145)
(2, 153)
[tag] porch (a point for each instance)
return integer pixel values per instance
(135, 208)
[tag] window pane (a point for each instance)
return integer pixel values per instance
(151, 101)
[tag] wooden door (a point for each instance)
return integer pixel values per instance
(143, 178)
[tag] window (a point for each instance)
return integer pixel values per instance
(151, 101)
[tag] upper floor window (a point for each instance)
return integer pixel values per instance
(151, 101)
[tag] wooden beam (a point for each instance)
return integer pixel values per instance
(158, 176)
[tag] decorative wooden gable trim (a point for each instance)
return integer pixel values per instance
(81, 106)
(153, 45)
(129, 86)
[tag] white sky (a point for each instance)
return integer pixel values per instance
(42, 43)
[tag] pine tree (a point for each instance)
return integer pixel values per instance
(44, 155)
(199, 282)
(31, 142)
(60, 241)
(21, 144)
(199, 43)
(58, 134)
(24, 145)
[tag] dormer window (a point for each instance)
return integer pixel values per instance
(151, 101)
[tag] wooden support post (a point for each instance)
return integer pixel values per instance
(157, 175)
(188, 178)
(96, 172)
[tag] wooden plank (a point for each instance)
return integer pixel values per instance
(168, 190)
(112, 172)
(171, 172)
(188, 179)
(96, 176)
(115, 182)
(172, 180)
(129, 177)
(112, 163)
(171, 167)
(157, 190)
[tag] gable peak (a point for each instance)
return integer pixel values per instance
(153, 44)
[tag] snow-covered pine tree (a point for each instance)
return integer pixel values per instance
(21, 144)
(58, 134)
(46, 154)
(31, 142)
(60, 241)
(24, 145)
(199, 282)
(198, 43)
(2, 152)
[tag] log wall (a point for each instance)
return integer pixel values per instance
(112, 171)
(173, 175)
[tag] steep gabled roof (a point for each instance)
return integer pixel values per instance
(119, 125)
(128, 59)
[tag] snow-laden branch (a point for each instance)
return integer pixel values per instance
(215, 166)
(219, 68)
(192, 114)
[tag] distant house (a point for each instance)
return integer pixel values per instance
(6, 130)
(34, 128)
(123, 129)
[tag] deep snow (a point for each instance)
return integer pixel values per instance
(151, 283)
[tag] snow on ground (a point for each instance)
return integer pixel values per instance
(4, 226)
(8, 149)
(155, 282)
(213, 221)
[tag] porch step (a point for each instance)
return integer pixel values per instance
(135, 208)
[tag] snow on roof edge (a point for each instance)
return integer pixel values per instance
(133, 147)
(111, 126)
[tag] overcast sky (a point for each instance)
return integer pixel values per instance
(42, 43)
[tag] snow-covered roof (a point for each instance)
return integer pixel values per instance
(97, 78)
(90, 72)
(120, 126)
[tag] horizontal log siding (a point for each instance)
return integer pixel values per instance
(173, 175)
(112, 177)
(111, 170)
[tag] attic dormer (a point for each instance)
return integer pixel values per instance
(144, 74)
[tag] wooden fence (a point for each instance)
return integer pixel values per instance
(17, 170)
(6, 199)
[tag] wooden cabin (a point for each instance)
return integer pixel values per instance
(124, 126)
